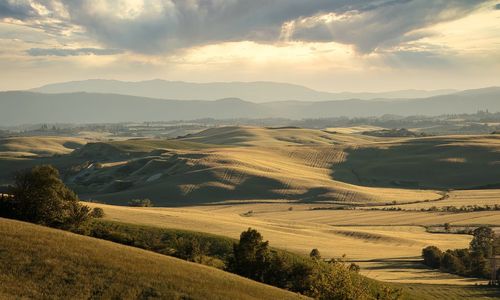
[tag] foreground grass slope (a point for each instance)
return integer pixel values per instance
(39, 262)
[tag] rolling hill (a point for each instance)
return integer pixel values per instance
(40, 263)
(249, 91)
(251, 164)
(27, 107)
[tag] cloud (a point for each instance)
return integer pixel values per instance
(20, 10)
(71, 52)
(159, 26)
(388, 24)
(497, 6)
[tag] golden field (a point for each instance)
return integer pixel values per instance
(226, 179)
(387, 245)
(42, 263)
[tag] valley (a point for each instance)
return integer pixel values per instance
(336, 190)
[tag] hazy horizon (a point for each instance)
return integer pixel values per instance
(457, 89)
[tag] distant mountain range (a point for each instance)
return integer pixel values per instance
(257, 92)
(19, 107)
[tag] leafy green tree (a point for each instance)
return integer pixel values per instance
(336, 281)
(432, 256)
(251, 255)
(191, 249)
(39, 196)
(480, 265)
(483, 241)
(452, 264)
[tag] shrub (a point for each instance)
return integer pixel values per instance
(315, 254)
(140, 203)
(97, 213)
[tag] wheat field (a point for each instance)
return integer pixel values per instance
(387, 245)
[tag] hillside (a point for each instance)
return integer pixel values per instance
(250, 164)
(38, 262)
(38, 146)
(28, 107)
(249, 91)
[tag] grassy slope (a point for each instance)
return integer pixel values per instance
(379, 241)
(449, 292)
(38, 146)
(249, 164)
(39, 262)
(455, 162)
(288, 164)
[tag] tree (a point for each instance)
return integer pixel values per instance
(251, 255)
(451, 263)
(190, 249)
(39, 196)
(315, 254)
(483, 241)
(140, 203)
(432, 256)
(447, 227)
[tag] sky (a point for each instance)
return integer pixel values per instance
(329, 45)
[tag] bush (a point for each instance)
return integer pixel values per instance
(39, 196)
(97, 213)
(140, 203)
(315, 254)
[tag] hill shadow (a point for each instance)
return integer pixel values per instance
(421, 164)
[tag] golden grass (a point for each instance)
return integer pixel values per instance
(42, 263)
(38, 146)
(387, 245)
(459, 199)
(353, 129)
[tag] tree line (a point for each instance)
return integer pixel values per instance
(469, 262)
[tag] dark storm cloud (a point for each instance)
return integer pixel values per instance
(71, 52)
(164, 26)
